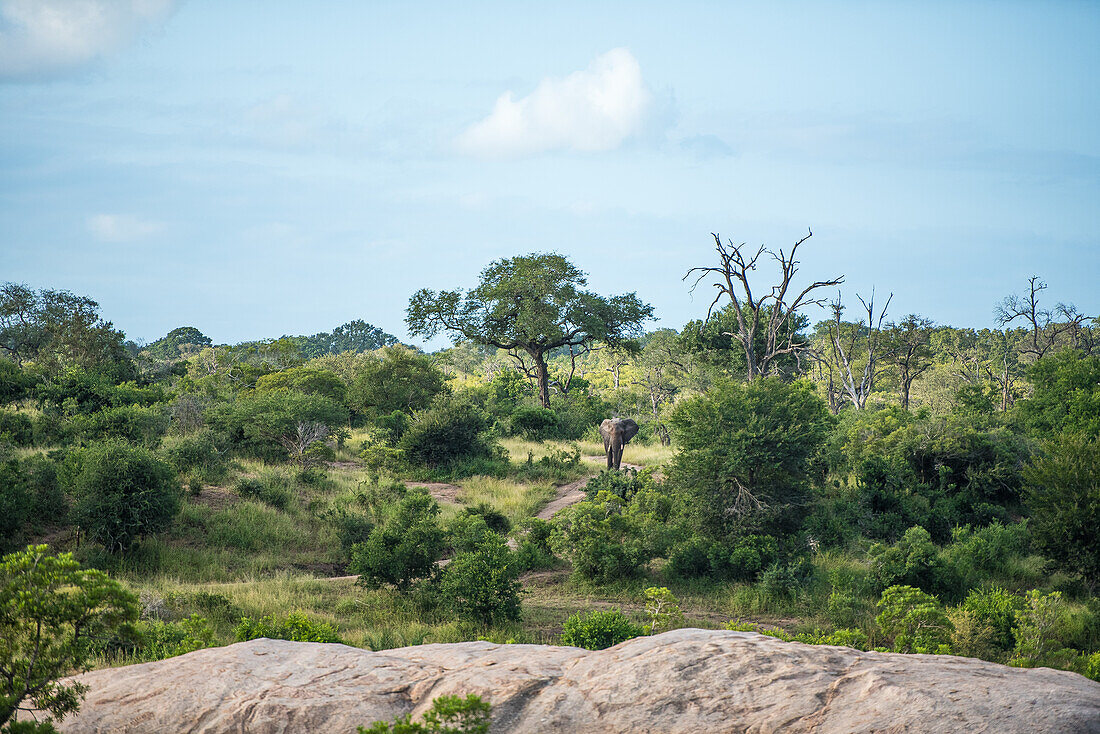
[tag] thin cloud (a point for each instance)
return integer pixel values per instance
(45, 37)
(122, 227)
(591, 110)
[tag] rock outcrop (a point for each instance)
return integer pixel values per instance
(686, 680)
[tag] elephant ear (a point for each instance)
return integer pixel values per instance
(630, 429)
(605, 429)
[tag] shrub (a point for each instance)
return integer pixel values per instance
(297, 626)
(1040, 626)
(162, 640)
(122, 493)
(403, 549)
(996, 608)
(144, 425)
(15, 503)
(494, 519)
(50, 612)
(915, 561)
(534, 550)
(1063, 493)
(448, 715)
(599, 630)
(195, 453)
(273, 487)
(663, 609)
(690, 559)
(16, 427)
(622, 484)
(448, 431)
(481, 585)
(534, 422)
(398, 379)
(915, 620)
(601, 543)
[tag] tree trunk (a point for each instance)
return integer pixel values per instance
(543, 376)
(906, 383)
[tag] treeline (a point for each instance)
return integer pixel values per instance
(945, 477)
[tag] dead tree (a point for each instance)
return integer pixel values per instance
(860, 337)
(771, 315)
(1043, 328)
(297, 444)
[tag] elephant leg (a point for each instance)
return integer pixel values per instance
(618, 456)
(610, 451)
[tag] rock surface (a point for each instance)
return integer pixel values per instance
(686, 680)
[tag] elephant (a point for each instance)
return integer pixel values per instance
(616, 433)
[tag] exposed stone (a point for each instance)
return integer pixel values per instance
(686, 680)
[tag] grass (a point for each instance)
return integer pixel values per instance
(516, 501)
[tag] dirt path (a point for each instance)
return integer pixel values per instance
(572, 493)
(443, 492)
(602, 461)
(567, 494)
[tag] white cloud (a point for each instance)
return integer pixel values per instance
(42, 37)
(121, 227)
(591, 110)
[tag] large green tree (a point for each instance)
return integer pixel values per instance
(530, 305)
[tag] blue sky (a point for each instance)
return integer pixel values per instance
(261, 168)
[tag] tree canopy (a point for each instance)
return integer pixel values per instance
(529, 305)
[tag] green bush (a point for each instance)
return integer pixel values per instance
(15, 504)
(916, 621)
(405, 548)
(915, 561)
(160, 640)
(996, 608)
(494, 519)
(623, 484)
(690, 559)
(448, 715)
(297, 626)
(16, 427)
(274, 487)
(481, 585)
(1063, 494)
(144, 425)
(447, 432)
(534, 422)
(196, 453)
(601, 542)
(599, 630)
(122, 493)
(398, 379)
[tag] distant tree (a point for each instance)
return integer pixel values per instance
(398, 379)
(908, 347)
(1065, 395)
(51, 614)
(660, 366)
(57, 329)
(355, 336)
(771, 315)
(529, 305)
(181, 342)
(1046, 330)
(855, 349)
(305, 379)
